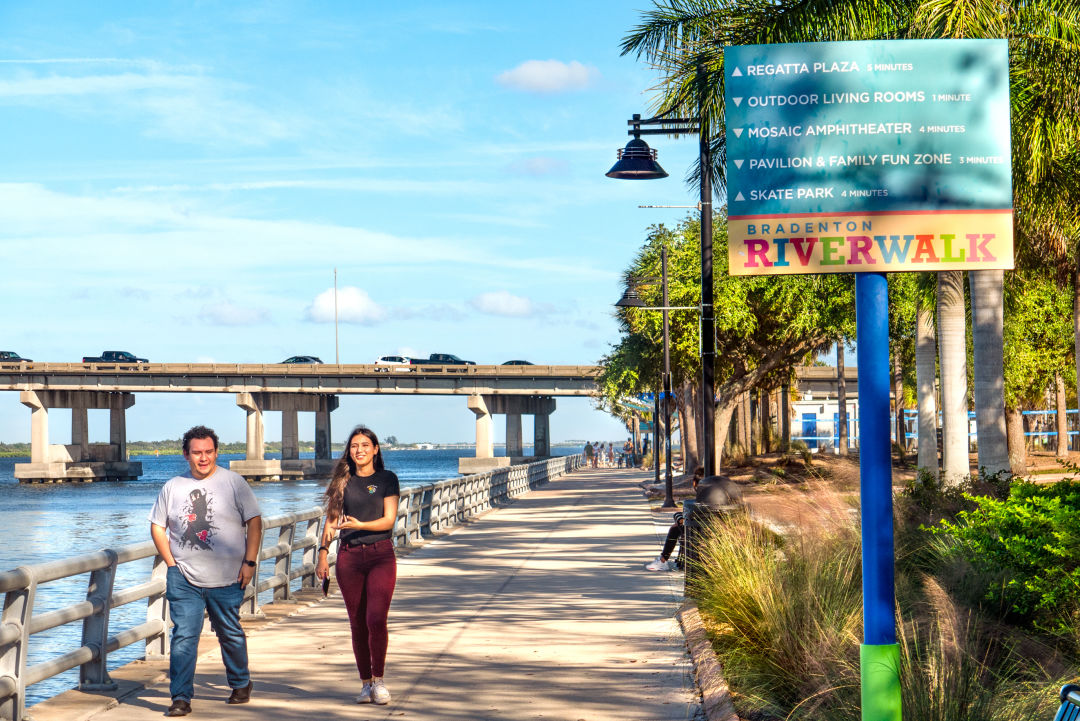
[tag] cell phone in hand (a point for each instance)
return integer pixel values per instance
(326, 585)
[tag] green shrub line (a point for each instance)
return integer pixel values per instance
(987, 605)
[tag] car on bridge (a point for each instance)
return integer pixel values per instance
(302, 359)
(114, 356)
(445, 359)
(396, 363)
(518, 363)
(10, 356)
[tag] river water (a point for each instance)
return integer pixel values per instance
(44, 522)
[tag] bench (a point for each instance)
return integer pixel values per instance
(1070, 703)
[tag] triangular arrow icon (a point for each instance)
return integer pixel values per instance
(738, 132)
(738, 101)
(738, 164)
(739, 197)
(737, 73)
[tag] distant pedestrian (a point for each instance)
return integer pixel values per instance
(610, 456)
(207, 527)
(588, 453)
(596, 454)
(362, 503)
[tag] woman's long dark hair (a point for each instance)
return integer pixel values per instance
(346, 467)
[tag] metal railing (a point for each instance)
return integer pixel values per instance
(422, 511)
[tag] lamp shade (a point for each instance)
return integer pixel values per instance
(630, 299)
(637, 161)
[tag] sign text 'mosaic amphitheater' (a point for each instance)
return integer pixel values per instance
(868, 156)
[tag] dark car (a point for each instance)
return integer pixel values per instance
(11, 356)
(445, 359)
(114, 356)
(517, 363)
(302, 359)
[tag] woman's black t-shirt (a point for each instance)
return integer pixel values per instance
(364, 501)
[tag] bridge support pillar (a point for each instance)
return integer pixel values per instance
(513, 407)
(80, 460)
(255, 466)
(290, 436)
(327, 404)
(542, 431)
(514, 445)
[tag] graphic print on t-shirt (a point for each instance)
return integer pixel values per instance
(199, 516)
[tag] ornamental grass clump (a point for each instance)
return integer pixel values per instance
(786, 615)
(784, 611)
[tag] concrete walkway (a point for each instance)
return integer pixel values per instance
(539, 610)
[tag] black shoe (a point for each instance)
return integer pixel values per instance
(240, 695)
(179, 707)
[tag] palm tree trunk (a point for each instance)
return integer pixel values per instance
(989, 377)
(744, 422)
(953, 359)
(925, 373)
(785, 416)
(1076, 330)
(766, 421)
(1014, 422)
(841, 399)
(1060, 418)
(898, 403)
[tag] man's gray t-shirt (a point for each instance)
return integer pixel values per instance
(205, 521)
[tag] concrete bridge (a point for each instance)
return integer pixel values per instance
(287, 389)
(538, 609)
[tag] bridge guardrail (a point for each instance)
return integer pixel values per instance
(422, 511)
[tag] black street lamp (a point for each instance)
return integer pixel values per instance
(637, 161)
(631, 299)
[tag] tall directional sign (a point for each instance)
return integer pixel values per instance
(868, 156)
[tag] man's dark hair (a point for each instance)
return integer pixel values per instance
(199, 432)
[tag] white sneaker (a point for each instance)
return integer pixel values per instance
(365, 694)
(379, 694)
(657, 564)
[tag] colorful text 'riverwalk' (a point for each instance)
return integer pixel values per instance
(862, 243)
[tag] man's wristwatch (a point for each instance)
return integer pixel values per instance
(249, 563)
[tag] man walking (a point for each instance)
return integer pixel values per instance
(207, 527)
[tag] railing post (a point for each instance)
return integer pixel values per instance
(94, 674)
(157, 609)
(310, 555)
(283, 563)
(250, 607)
(14, 641)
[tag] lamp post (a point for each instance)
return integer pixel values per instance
(631, 299)
(637, 161)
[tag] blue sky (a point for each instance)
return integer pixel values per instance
(180, 180)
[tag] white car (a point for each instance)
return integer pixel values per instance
(398, 362)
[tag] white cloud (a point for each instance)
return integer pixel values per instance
(184, 106)
(354, 305)
(227, 313)
(503, 303)
(549, 76)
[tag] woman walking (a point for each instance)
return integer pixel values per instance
(362, 504)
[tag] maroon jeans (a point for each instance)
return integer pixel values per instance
(366, 577)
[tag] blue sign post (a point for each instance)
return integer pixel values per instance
(868, 157)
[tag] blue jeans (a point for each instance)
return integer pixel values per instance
(186, 605)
